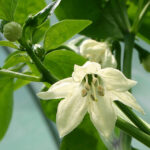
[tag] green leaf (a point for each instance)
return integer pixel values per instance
(100, 12)
(16, 58)
(7, 9)
(63, 31)
(50, 108)
(6, 104)
(20, 83)
(61, 62)
(84, 137)
(26, 8)
(8, 44)
(38, 33)
(42, 16)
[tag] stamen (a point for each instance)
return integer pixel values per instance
(86, 85)
(84, 92)
(94, 79)
(100, 90)
(94, 92)
(92, 97)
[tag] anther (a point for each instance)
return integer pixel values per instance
(100, 90)
(87, 86)
(84, 92)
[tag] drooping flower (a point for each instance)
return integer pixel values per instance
(98, 52)
(93, 90)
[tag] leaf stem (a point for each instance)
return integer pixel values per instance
(19, 75)
(133, 131)
(133, 117)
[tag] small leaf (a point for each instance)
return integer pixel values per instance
(61, 62)
(16, 58)
(8, 44)
(63, 31)
(6, 104)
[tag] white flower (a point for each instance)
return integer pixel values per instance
(93, 90)
(98, 52)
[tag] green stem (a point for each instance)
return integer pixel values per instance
(45, 73)
(19, 75)
(133, 131)
(127, 64)
(128, 50)
(133, 117)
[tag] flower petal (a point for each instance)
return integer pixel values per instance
(70, 112)
(109, 60)
(60, 89)
(115, 80)
(88, 68)
(93, 50)
(127, 99)
(103, 116)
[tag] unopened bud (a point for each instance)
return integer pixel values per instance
(39, 51)
(12, 31)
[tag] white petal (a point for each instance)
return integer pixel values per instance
(115, 80)
(93, 50)
(127, 99)
(60, 89)
(88, 68)
(103, 115)
(109, 60)
(70, 112)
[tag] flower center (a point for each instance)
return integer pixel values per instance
(92, 85)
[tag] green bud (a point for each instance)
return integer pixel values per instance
(146, 63)
(12, 31)
(39, 51)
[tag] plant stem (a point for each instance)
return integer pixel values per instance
(45, 73)
(133, 117)
(128, 50)
(133, 131)
(19, 75)
(127, 64)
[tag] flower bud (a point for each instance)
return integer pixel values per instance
(12, 31)
(39, 51)
(98, 52)
(146, 63)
